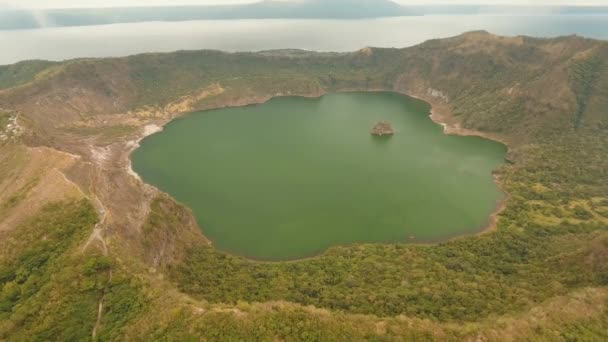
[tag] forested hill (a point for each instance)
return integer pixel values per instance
(504, 85)
(87, 251)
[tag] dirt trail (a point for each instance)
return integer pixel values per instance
(98, 323)
(97, 234)
(100, 311)
(67, 180)
(98, 230)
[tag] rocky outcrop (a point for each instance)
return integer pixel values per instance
(383, 128)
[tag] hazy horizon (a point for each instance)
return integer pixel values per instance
(254, 35)
(61, 4)
(58, 34)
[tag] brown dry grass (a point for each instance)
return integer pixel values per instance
(36, 179)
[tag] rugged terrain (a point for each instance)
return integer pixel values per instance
(90, 252)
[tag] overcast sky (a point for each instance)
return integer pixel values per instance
(112, 3)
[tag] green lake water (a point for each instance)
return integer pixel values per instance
(294, 176)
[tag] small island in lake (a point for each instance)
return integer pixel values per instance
(383, 128)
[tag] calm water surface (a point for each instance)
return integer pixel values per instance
(292, 177)
(254, 35)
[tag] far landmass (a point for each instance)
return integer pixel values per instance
(14, 18)
(311, 9)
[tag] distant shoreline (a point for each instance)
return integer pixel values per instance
(15, 18)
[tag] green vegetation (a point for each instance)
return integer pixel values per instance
(278, 322)
(584, 75)
(21, 194)
(4, 119)
(464, 280)
(21, 73)
(287, 322)
(50, 291)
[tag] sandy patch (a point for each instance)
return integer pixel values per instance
(132, 145)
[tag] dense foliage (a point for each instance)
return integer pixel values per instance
(50, 290)
(466, 279)
(21, 73)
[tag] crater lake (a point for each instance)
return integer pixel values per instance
(290, 178)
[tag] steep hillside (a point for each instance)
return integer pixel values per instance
(136, 266)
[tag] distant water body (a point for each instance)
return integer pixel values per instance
(264, 34)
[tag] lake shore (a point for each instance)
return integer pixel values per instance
(437, 116)
(441, 114)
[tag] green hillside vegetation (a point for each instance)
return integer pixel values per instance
(50, 289)
(460, 281)
(4, 120)
(541, 274)
(21, 73)
(584, 75)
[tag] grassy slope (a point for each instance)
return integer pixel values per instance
(546, 98)
(49, 286)
(50, 290)
(21, 73)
